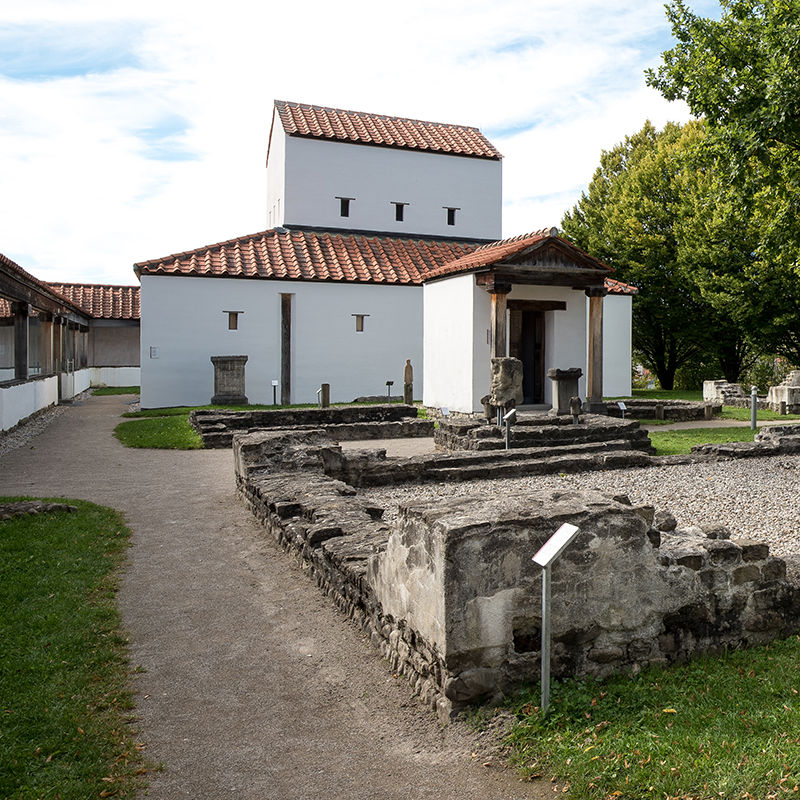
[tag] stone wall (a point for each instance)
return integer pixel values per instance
(451, 597)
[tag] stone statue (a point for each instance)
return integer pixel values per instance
(506, 389)
(408, 383)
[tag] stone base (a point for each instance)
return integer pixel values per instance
(229, 400)
(595, 407)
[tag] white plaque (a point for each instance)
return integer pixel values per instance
(555, 545)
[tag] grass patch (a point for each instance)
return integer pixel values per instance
(679, 442)
(743, 415)
(673, 394)
(161, 433)
(64, 669)
(100, 391)
(719, 727)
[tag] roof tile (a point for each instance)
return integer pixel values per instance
(319, 122)
(103, 301)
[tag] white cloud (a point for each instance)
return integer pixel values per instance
(161, 148)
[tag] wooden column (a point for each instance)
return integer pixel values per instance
(595, 366)
(20, 311)
(499, 293)
(286, 349)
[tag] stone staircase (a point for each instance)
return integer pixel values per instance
(540, 431)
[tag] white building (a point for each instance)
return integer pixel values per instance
(363, 210)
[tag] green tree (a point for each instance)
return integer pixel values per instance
(643, 215)
(740, 73)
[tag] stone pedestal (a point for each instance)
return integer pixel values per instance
(229, 381)
(565, 387)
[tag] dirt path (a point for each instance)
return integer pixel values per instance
(255, 686)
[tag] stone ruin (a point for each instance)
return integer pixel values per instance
(785, 398)
(782, 399)
(451, 597)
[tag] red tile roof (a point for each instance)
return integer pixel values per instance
(16, 273)
(489, 254)
(103, 301)
(618, 287)
(348, 258)
(318, 122)
(309, 255)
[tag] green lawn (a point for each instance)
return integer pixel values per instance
(161, 433)
(100, 391)
(64, 681)
(724, 727)
(682, 441)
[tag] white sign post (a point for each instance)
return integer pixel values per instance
(548, 553)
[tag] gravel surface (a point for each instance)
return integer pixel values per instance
(757, 498)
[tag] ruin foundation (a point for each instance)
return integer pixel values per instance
(452, 599)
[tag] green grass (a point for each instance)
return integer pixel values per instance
(743, 415)
(100, 391)
(161, 433)
(681, 441)
(673, 394)
(65, 730)
(725, 727)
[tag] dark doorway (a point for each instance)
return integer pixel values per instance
(526, 342)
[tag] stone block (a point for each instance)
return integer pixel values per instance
(752, 550)
(746, 574)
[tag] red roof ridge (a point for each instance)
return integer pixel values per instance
(323, 122)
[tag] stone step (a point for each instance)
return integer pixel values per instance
(563, 461)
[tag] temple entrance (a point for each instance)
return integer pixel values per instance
(526, 342)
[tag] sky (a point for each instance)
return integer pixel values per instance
(130, 131)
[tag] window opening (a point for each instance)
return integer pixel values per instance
(399, 211)
(344, 206)
(233, 319)
(359, 322)
(451, 214)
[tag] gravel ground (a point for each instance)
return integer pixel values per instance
(755, 498)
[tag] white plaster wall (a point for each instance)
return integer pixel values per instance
(617, 345)
(276, 175)
(183, 317)
(20, 401)
(115, 376)
(317, 172)
(481, 344)
(449, 333)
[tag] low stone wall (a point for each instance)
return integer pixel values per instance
(346, 423)
(672, 410)
(452, 599)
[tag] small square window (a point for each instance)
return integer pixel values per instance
(344, 206)
(360, 322)
(451, 215)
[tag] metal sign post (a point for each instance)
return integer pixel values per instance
(274, 393)
(389, 385)
(508, 419)
(545, 558)
(622, 407)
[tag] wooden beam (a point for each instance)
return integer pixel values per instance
(537, 305)
(595, 366)
(20, 311)
(499, 324)
(286, 349)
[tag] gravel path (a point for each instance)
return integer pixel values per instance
(757, 498)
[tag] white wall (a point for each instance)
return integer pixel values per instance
(183, 317)
(617, 345)
(276, 174)
(317, 172)
(115, 376)
(449, 335)
(20, 401)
